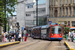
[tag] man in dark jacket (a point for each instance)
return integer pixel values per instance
(16, 36)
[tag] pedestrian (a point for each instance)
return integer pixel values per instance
(19, 37)
(74, 36)
(9, 37)
(71, 35)
(6, 36)
(3, 36)
(16, 36)
(25, 37)
(12, 36)
(22, 36)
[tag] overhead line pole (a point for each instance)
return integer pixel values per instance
(36, 12)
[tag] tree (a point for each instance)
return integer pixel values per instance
(66, 29)
(6, 7)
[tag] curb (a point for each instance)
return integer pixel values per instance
(67, 45)
(11, 43)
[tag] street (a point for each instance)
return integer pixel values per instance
(37, 44)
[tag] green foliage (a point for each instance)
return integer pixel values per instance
(6, 7)
(66, 29)
(64, 36)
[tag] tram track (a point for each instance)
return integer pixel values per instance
(47, 46)
(14, 46)
(60, 45)
(55, 45)
(28, 45)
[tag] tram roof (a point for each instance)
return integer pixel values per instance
(45, 26)
(36, 27)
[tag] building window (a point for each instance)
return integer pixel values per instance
(60, 1)
(73, 23)
(28, 14)
(41, 1)
(25, 0)
(29, 22)
(67, 11)
(67, 1)
(42, 10)
(63, 1)
(56, 2)
(74, 1)
(63, 11)
(70, 1)
(60, 11)
(30, 6)
(70, 11)
(74, 10)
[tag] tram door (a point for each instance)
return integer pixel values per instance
(48, 32)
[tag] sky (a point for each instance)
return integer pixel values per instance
(41, 1)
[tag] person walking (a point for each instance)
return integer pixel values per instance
(22, 36)
(9, 37)
(16, 36)
(71, 35)
(3, 37)
(12, 36)
(25, 37)
(6, 36)
(19, 37)
(74, 36)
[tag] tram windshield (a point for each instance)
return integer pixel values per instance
(56, 29)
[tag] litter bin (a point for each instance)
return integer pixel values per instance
(66, 36)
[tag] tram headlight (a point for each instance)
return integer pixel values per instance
(60, 34)
(52, 34)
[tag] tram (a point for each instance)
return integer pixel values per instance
(36, 33)
(45, 32)
(56, 32)
(50, 32)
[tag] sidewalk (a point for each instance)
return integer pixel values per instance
(3, 44)
(70, 45)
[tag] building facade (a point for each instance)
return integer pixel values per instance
(29, 14)
(43, 12)
(62, 11)
(12, 23)
(21, 14)
(26, 12)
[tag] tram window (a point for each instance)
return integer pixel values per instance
(52, 30)
(59, 30)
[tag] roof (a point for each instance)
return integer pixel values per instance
(45, 26)
(72, 27)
